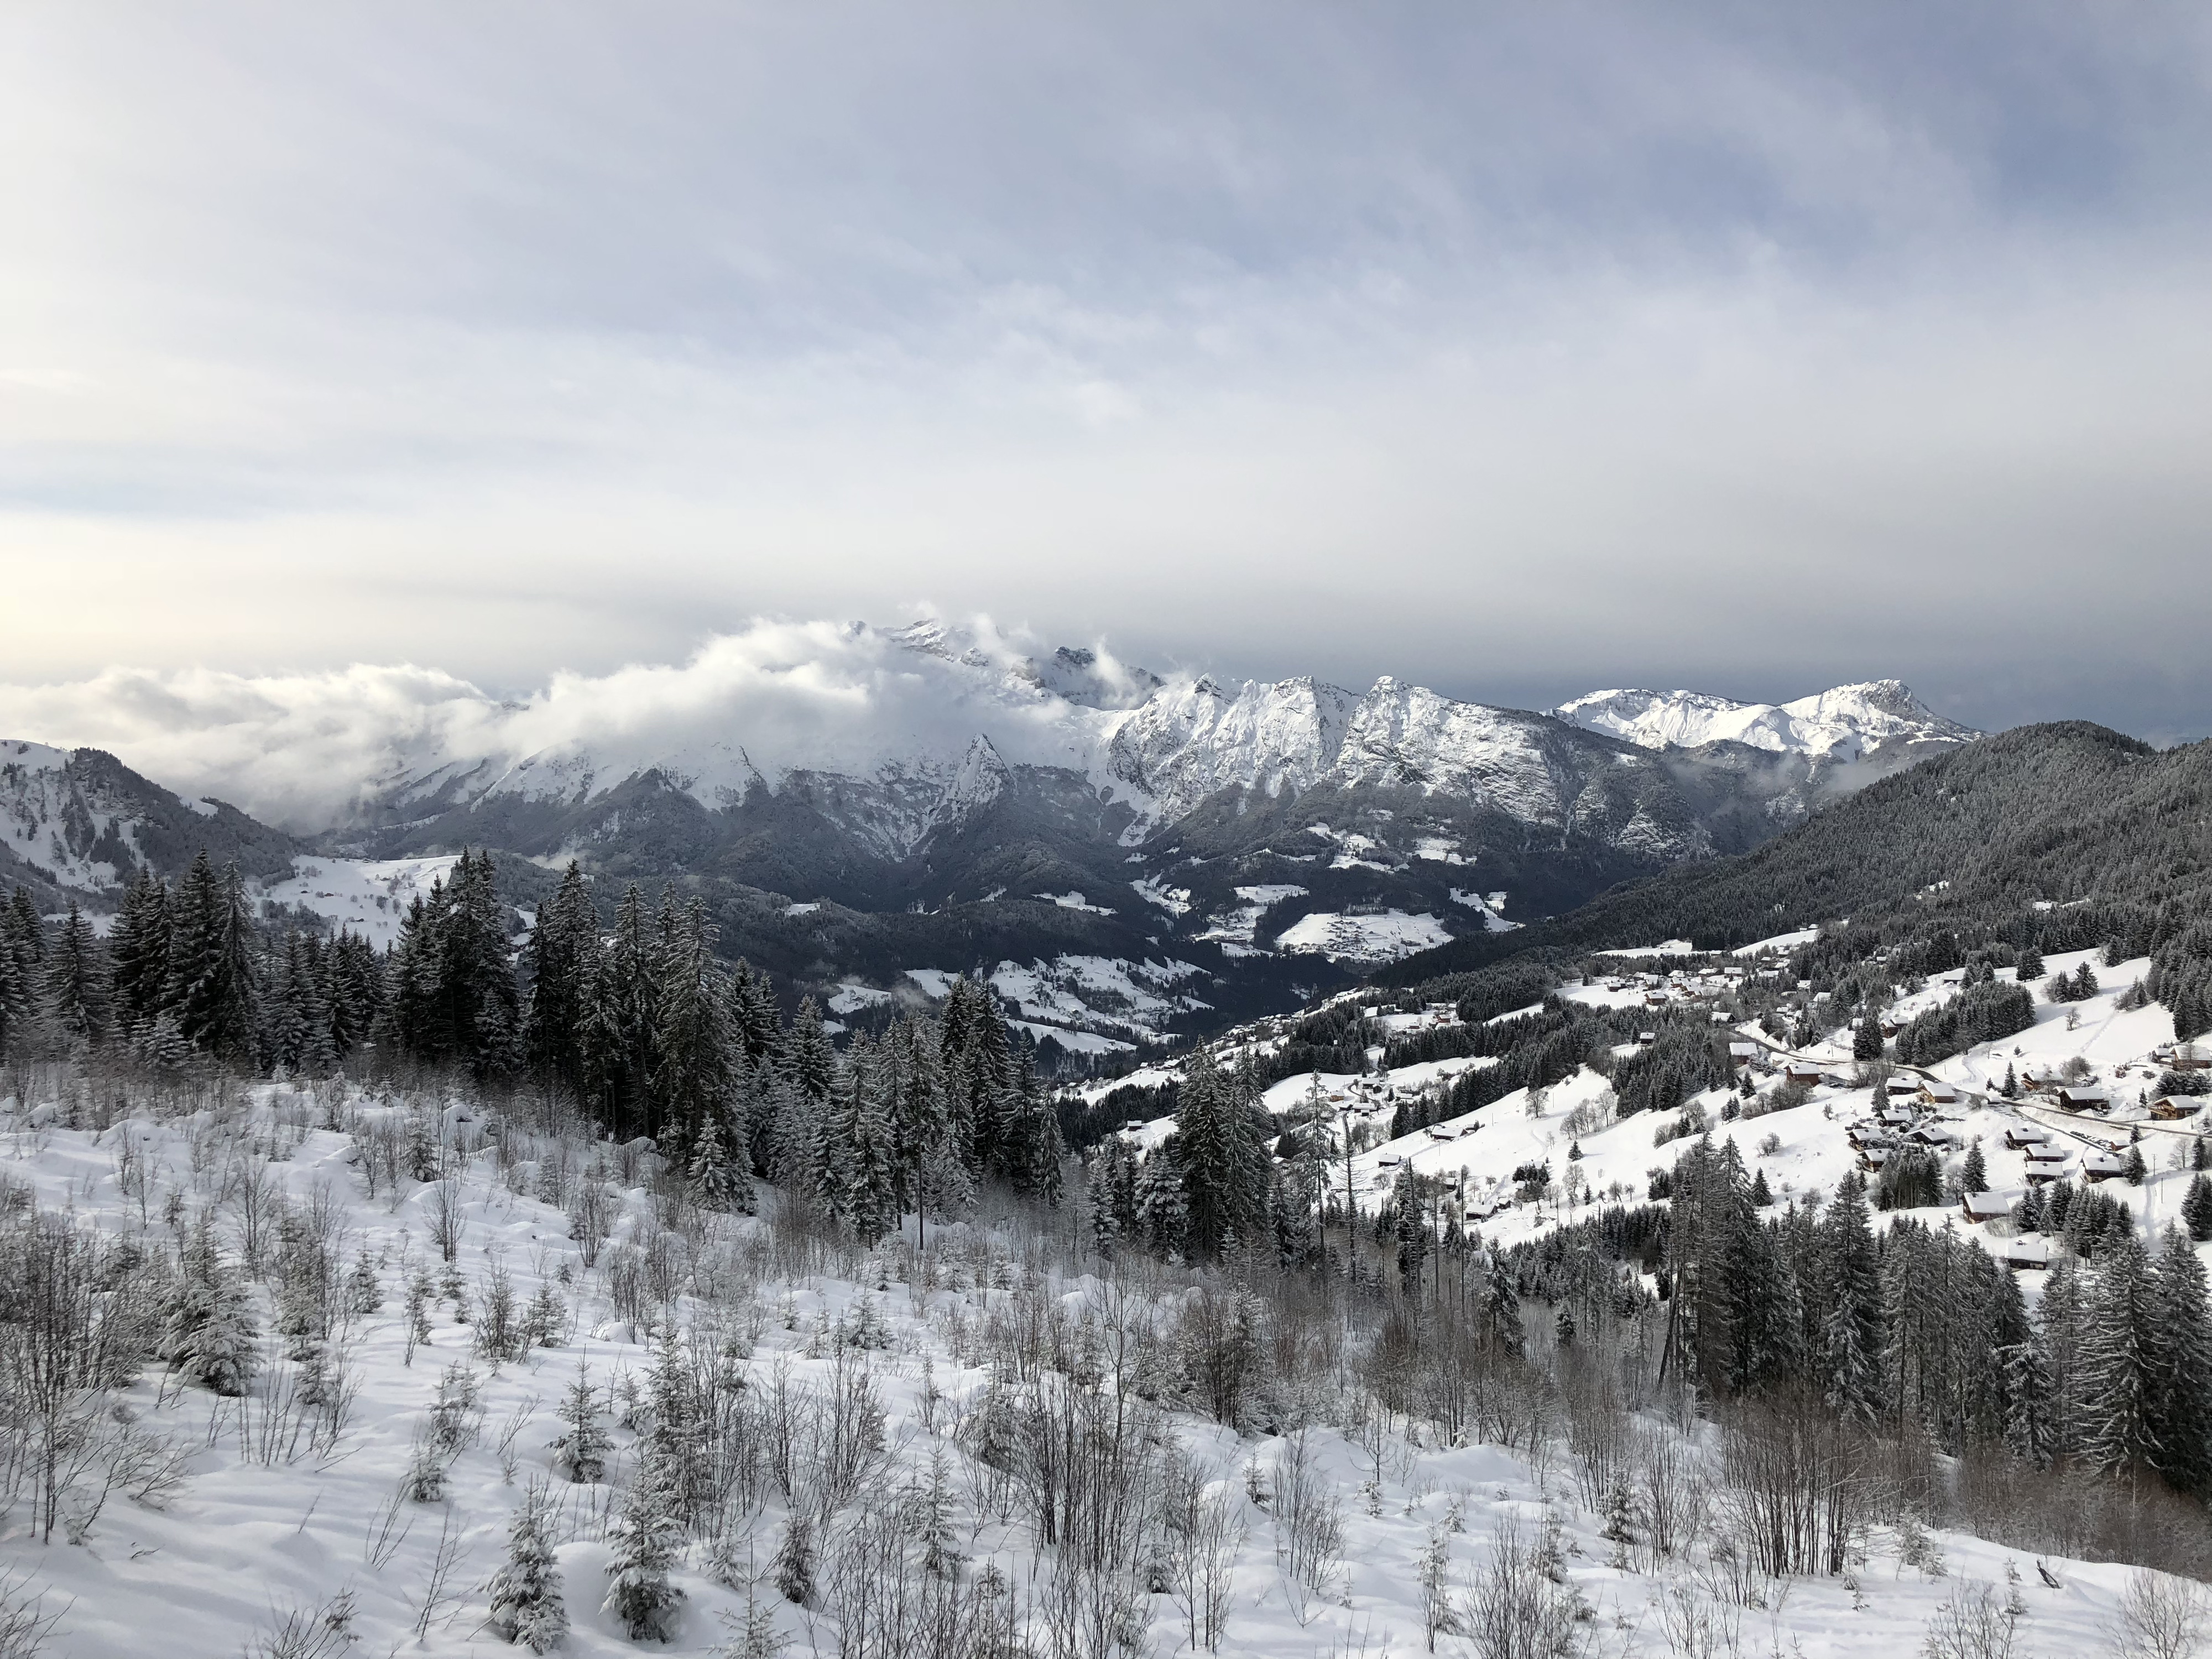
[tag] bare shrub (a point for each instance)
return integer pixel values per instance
(1309, 1517)
(1202, 1522)
(2159, 1617)
(1514, 1610)
(1972, 1624)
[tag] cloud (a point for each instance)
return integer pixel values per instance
(1511, 349)
(304, 749)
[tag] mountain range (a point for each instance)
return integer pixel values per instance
(1122, 852)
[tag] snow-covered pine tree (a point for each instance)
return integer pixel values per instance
(581, 1451)
(526, 1593)
(1162, 1213)
(562, 960)
(2197, 1207)
(138, 952)
(2118, 1365)
(1851, 1328)
(1223, 1157)
(1973, 1172)
(1411, 1225)
(213, 985)
(689, 1088)
(798, 1164)
(76, 979)
(1867, 1041)
(2181, 1352)
(619, 1031)
(870, 1182)
(207, 1333)
(645, 1544)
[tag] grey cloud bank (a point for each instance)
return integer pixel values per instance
(1514, 352)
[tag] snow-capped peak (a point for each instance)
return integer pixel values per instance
(1843, 723)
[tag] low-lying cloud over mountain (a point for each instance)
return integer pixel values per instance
(315, 751)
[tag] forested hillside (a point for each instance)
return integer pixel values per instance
(2066, 815)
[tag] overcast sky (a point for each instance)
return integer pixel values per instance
(1516, 349)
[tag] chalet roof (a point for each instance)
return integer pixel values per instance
(1986, 1206)
(2032, 1250)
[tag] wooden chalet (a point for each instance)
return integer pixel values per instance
(2080, 1098)
(2018, 1135)
(2103, 1166)
(2030, 1251)
(1798, 1071)
(2168, 1109)
(2046, 1164)
(1935, 1091)
(1985, 1206)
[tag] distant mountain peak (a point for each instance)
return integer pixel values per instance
(1844, 723)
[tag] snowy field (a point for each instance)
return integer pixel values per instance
(368, 895)
(270, 1519)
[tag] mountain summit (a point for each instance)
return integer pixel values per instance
(1847, 723)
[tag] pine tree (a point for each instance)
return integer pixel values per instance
(2010, 1087)
(799, 1166)
(869, 1181)
(526, 1593)
(562, 960)
(1161, 1212)
(691, 1090)
(208, 1334)
(2085, 983)
(2180, 1408)
(1973, 1172)
(2197, 1207)
(645, 1544)
(1223, 1156)
(24, 934)
(213, 984)
(2118, 1368)
(580, 1452)
(1412, 1227)
(138, 953)
(476, 978)
(15, 998)
(1867, 1042)
(76, 979)
(2061, 1319)
(618, 1034)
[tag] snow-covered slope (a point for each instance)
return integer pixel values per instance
(268, 1512)
(1842, 724)
(78, 822)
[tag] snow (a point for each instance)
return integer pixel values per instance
(1362, 938)
(1075, 901)
(850, 997)
(1175, 900)
(1487, 903)
(1780, 942)
(1110, 995)
(1673, 947)
(936, 983)
(1233, 929)
(806, 908)
(1840, 724)
(368, 895)
(247, 1539)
